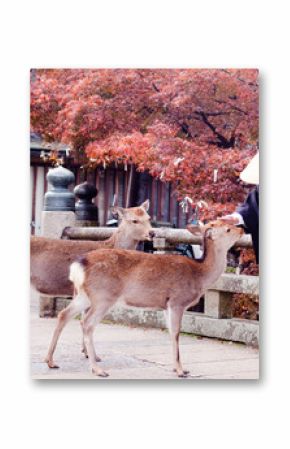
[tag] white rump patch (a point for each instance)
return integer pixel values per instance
(77, 275)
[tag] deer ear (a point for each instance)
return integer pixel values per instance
(145, 205)
(116, 210)
(210, 234)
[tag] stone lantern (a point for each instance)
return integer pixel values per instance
(59, 197)
(86, 211)
(59, 203)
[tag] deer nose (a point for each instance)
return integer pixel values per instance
(151, 234)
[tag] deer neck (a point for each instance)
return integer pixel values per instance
(122, 240)
(213, 262)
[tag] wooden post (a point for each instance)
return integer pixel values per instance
(129, 188)
(39, 195)
(101, 196)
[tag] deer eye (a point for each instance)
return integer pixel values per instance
(228, 230)
(135, 221)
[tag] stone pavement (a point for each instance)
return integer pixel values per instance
(137, 353)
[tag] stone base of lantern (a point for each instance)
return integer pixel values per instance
(52, 226)
(54, 222)
(47, 306)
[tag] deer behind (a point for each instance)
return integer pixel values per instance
(51, 258)
(169, 282)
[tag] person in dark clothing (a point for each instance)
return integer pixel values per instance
(249, 210)
(247, 215)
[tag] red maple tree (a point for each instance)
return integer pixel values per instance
(187, 126)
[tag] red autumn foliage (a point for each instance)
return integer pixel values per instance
(179, 124)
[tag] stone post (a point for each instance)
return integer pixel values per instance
(218, 304)
(58, 213)
(159, 245)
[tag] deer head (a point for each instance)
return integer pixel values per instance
(135, 220)
(223, 235)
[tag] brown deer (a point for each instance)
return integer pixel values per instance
(50, 258)
(169, 282)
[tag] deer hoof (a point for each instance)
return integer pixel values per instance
(51, 364)
(84, 351)
(182, 373)
(99, 372)
(97, 359)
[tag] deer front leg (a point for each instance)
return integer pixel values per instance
(174, 324)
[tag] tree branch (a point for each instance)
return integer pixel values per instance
(236, 108)
(155, 87)
(222, 141)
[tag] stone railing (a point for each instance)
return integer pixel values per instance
(164, 239)
(216, 321)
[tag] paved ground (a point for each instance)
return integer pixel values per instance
(136, 353)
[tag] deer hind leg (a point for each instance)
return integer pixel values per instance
(84, 349)
(77, 305)
(91, 319)
(174, 315)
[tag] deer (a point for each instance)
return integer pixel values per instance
(156, 281)
(51, 258)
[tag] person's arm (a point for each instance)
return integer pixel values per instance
(247, 214)
(234, 219)
(250, 211)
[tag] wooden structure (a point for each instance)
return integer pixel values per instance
(130, 187)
